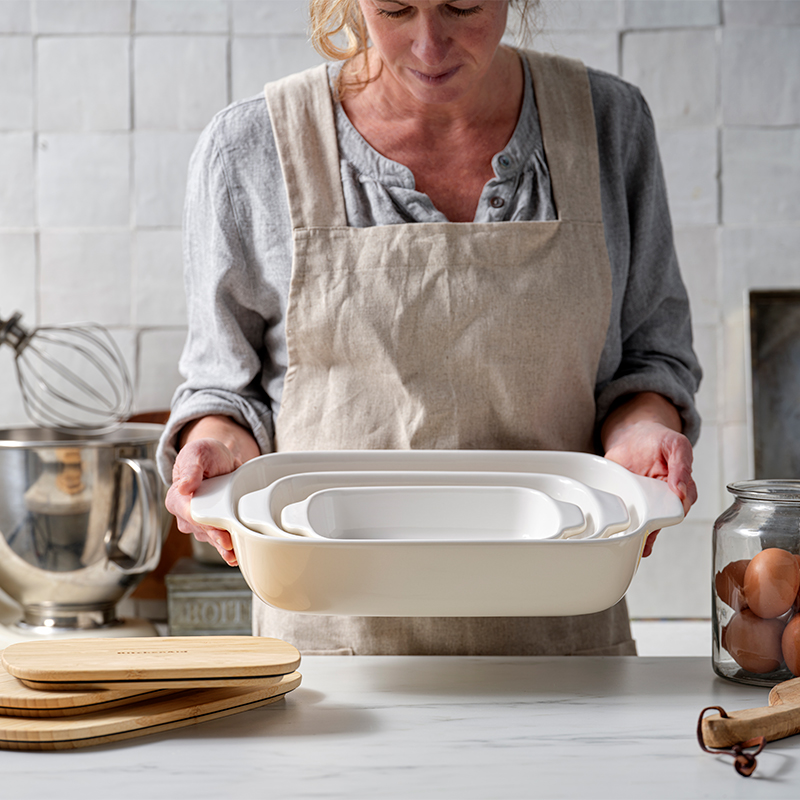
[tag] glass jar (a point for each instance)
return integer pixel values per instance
(756, 584)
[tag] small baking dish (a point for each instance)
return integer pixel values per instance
(557, 577)
(431, 513)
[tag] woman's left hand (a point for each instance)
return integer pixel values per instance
(643, 435)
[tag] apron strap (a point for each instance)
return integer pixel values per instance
(570, 139)
(303, 103)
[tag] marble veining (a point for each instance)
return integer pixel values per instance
(413, 727)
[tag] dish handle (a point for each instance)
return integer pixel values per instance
(664, 507)
(212, 503)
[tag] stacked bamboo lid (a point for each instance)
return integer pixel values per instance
(70, 693)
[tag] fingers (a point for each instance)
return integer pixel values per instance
(679, 458)
(649, 542)
(200, 459)
(221, 541)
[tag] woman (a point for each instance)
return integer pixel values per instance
(441, 243)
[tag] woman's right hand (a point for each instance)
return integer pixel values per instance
(210, 446)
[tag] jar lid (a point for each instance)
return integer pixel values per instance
(771, 490)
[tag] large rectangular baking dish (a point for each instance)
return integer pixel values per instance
(450, 578)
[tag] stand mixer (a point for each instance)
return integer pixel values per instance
(81, 504)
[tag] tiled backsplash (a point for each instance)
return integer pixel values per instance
(101, 102)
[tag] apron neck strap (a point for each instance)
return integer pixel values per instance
(302, 116)
(566, 116)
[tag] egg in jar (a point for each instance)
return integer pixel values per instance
(771, 582)
(729, 584)
(790, 645)
(754, 642)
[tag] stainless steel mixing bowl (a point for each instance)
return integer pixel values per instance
(82, 520)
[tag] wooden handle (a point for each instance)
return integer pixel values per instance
(771, 722)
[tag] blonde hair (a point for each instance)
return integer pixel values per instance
(332, 19)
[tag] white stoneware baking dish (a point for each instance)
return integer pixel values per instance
(432, 513)
(604, 513)
(454, 578)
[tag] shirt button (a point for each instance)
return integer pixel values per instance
(497, 202)
(504, 161)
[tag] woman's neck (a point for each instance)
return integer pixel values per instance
(448, 147)
(384, 101)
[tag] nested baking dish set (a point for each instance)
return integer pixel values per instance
(437, 533)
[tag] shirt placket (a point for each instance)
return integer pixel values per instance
(498, 194)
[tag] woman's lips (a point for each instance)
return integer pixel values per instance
(434, 80)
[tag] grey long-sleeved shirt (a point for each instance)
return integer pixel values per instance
(238, 254)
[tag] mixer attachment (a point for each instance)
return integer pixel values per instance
(71, 377)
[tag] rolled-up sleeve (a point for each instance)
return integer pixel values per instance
(649, 343)
(223, 358)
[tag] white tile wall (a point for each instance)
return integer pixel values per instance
(670, 13)
(15, 16)
(698, 254)
(179, 81)
(762, 175)
(72, 94)
(83, 180)
(17, 274)
(161, 159)
(157, 291)
(82, 16)
(16, 82)
(691, 158)
(598, 48)
(101, 102)
(258, 59)
(85, 276)
(677, 73)
(257, 17)
(16, 180)
(589, 15)
(158, 354)
(181, 16)
(761, 12)
(761, 66)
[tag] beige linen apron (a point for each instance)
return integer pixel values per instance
(443, 335)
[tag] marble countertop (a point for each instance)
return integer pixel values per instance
(419, 727)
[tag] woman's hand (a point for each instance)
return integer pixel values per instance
(210, 446)
(643, 435)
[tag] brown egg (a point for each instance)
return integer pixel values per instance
(796, 605)
(728, 583)
(790, 645)
(754, 643)
(771, 582)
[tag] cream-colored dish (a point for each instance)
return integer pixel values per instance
(394, 578)
(432, 513)
(261, 510)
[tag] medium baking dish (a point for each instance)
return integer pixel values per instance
(603, 513)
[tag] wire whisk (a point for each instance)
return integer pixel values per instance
(72, 377)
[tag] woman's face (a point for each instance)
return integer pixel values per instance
(437, 51)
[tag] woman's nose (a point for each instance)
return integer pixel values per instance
(431, 42)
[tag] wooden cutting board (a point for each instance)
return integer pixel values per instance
(19, 700)
(152, 662)
(137, 719)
